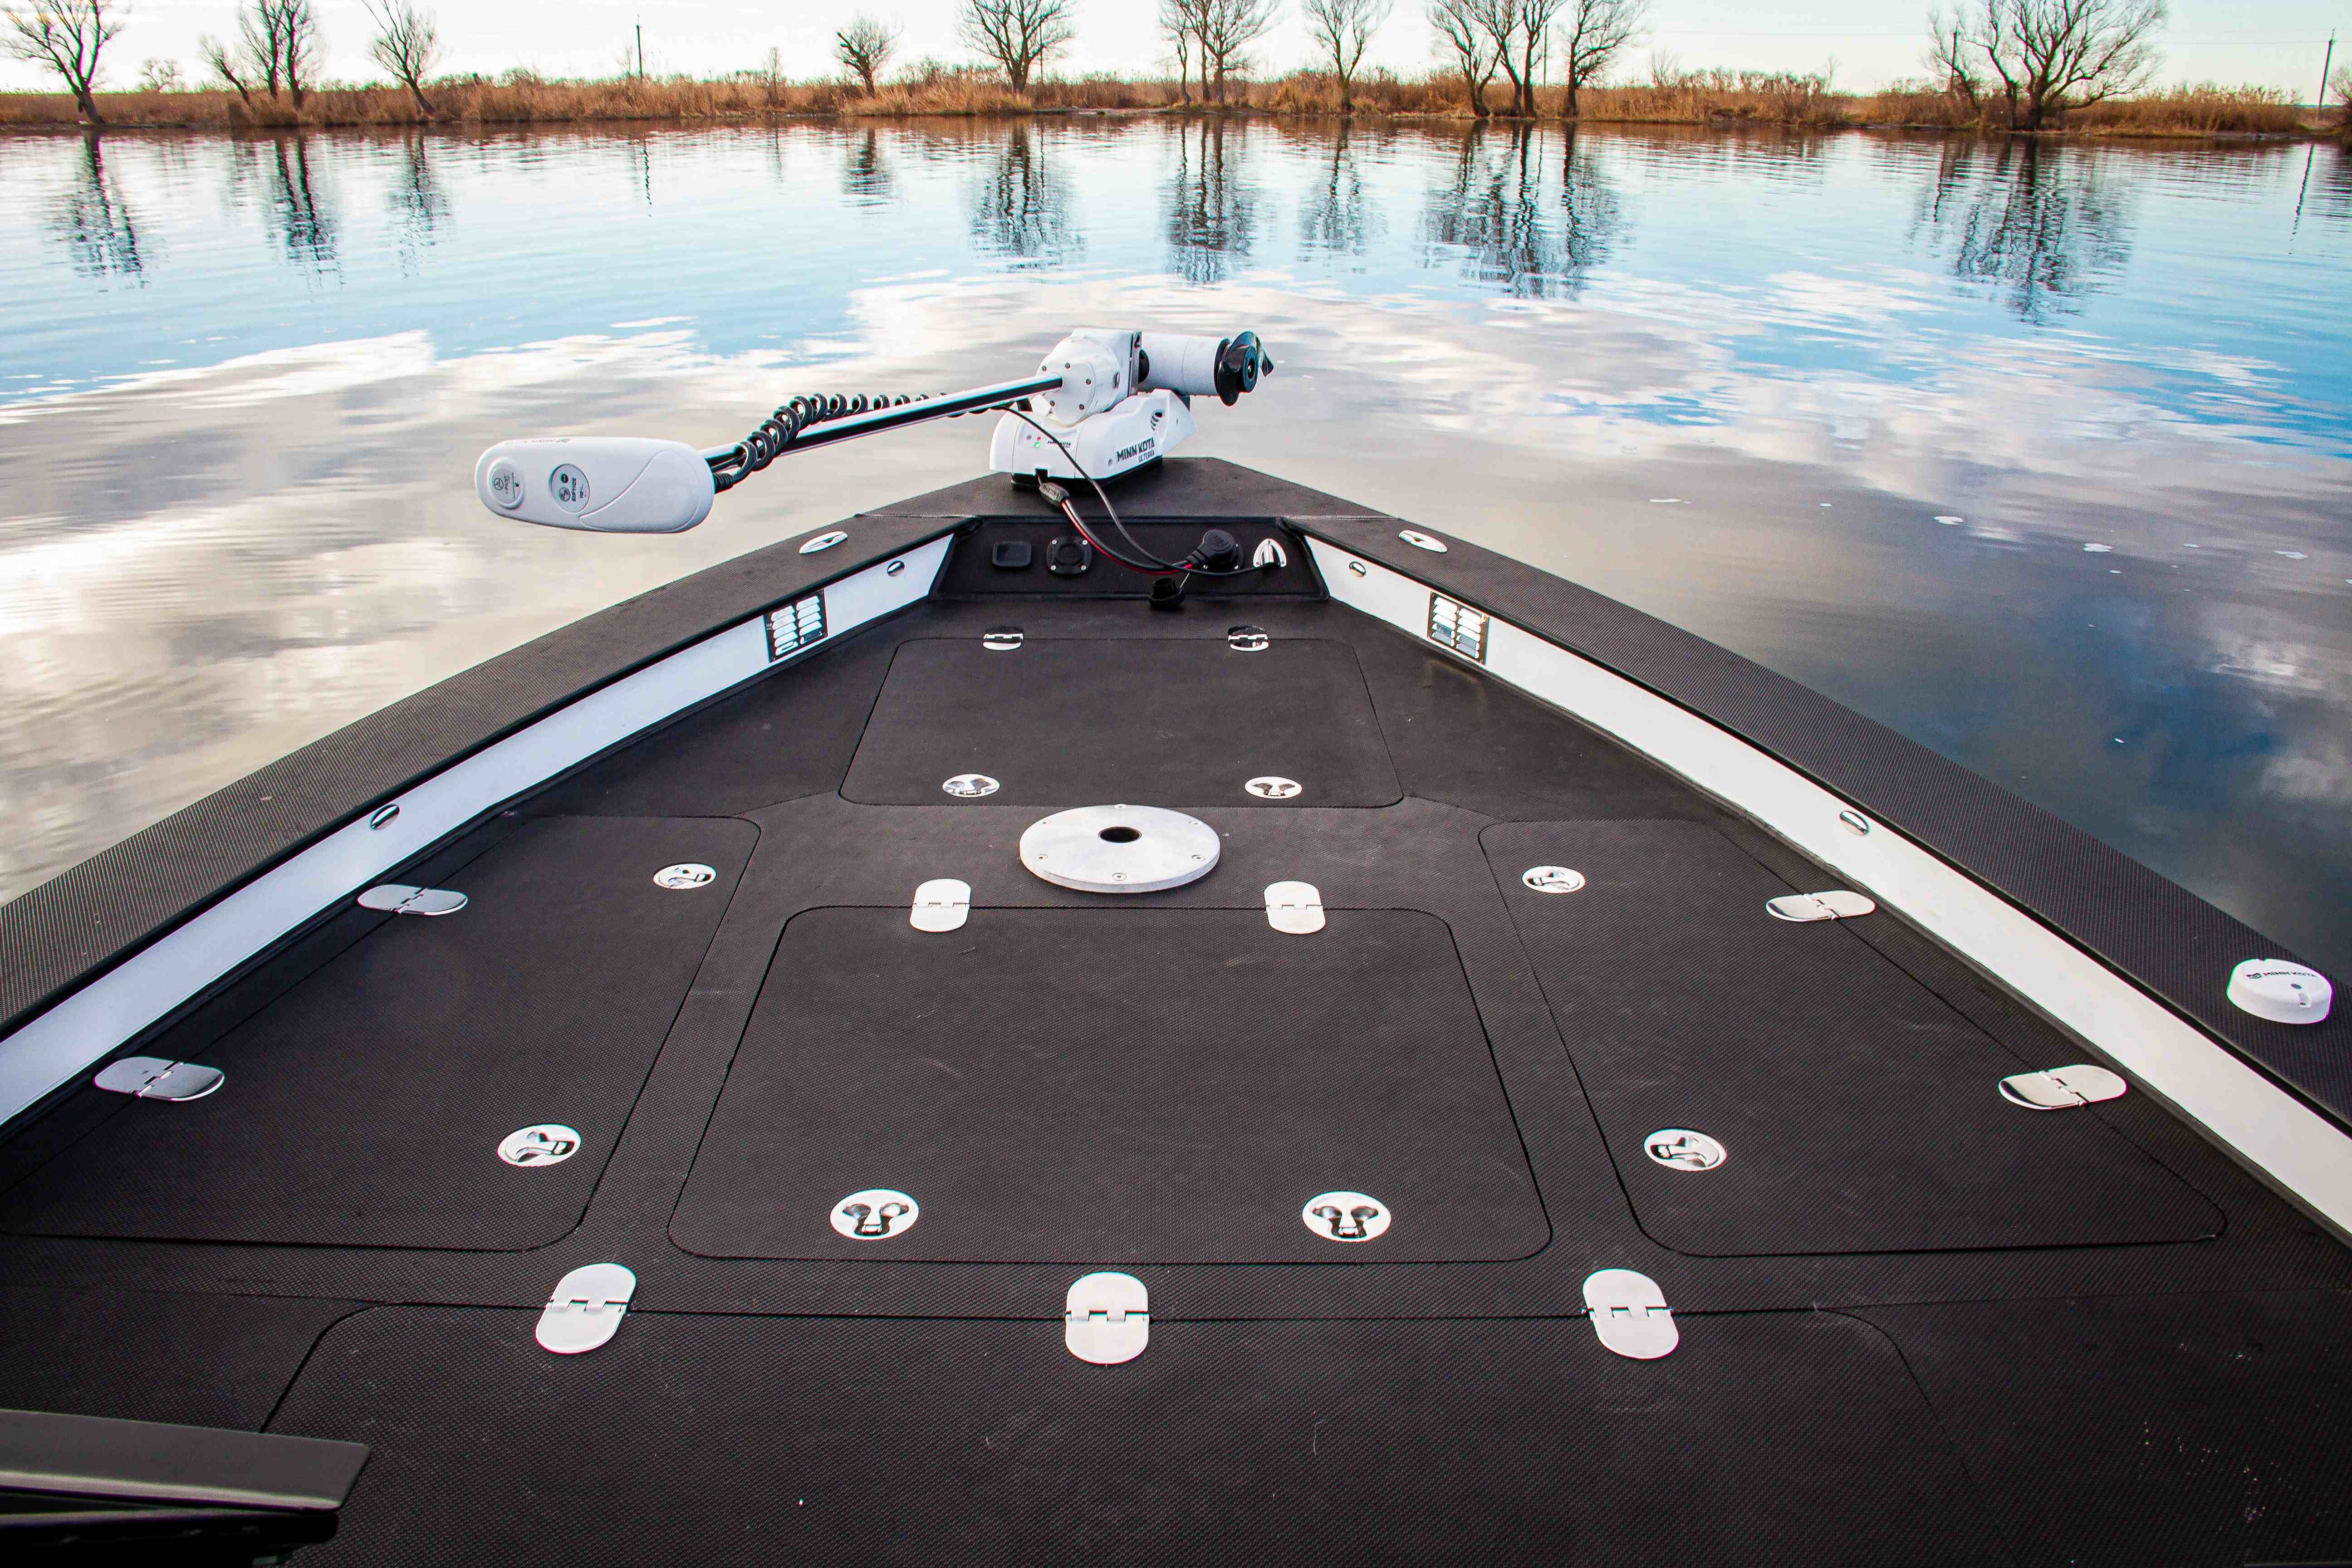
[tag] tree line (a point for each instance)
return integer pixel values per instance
(2029, 60)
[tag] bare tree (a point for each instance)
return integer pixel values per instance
(2051, 56)
(1228, 27)
(161, 76)
(408, 44)
(66, 36)
(1951, 57)
(1592, 37)
(1342, 30)
(1181, 23)
(1502, 22)
(305, 46)
(1020, 36)
(1461, 39)
(865, 46)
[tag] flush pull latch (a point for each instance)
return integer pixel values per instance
(943, 903)
(586, 1308)
(152, 1077)
(1630, 1313)
(1837, 905)
(402, 900)
(1107, 1318)
(1294, 907)
(2063, 1088)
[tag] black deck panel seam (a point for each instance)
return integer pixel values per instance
(317, 1340)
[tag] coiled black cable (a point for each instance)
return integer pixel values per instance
(779, 430)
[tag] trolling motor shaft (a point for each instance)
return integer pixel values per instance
(1103, 402)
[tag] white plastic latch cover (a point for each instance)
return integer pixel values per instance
(2063, 1088)
(941, 904)
(586, 1308)
(2280, 991)
(402, 900)
(1107, 1318)
(1294, 907)
(1836, 905)
(152, 1077)
(1630, 1313)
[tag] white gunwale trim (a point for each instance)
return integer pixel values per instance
(95, 1020)
(2299, 1149)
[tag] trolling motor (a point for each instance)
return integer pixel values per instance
(1103, 402)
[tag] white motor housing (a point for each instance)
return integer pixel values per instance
(1138, 430)
(605, 484)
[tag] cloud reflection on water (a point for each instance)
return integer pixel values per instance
(1518, 335)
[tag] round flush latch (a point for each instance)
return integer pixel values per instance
(1120, 848)
(548, 1144)
(2282, 991)
(823, 541)
(1344, 1216)
(876, 1214)
(1680, 1149)
(1270, 787)
(1420, 540)
(679, 879)
(971, 786)
(1552, 879)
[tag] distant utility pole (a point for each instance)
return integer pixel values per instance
(2323, 64)
(640, 51)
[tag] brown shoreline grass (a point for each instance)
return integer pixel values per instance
(1713, 97)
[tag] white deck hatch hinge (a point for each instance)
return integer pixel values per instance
(2063, 1088)
(1630, 1314)
(941, 904)
(1294, 907)
(586, 1310)
(1836, 905)
(1107, 1318)
(402, 900)
(154, 1078)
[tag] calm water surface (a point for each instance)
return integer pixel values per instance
(2042, 458)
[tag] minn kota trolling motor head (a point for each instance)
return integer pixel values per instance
(1103, 402)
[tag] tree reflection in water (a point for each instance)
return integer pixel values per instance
(1212, 208)
(300, 217)
(2038, 225)
(420, 207)
(866, 179)
(1496, 215)
(1021, 205)
(101, 233)
(1337, 216)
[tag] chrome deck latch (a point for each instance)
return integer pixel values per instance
(2063, 1088)
(586, 1310)
(943, 903)
(1836, 905)
(154, 1078)
(1294, 907)
(401, 898)
(1107, 1318)
(1630, 1314)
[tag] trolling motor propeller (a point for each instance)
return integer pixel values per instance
(1103, 402)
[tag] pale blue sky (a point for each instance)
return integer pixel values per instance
(2274, 42)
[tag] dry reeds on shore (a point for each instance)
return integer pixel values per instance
(1716, 98)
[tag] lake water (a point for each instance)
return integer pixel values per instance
(2041, 456)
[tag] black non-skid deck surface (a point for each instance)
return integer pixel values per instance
(874, 1441)
(1204, 1078)
(1164, 721)
(2088, 1336)
(365, 1107)
(1860, 1112)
